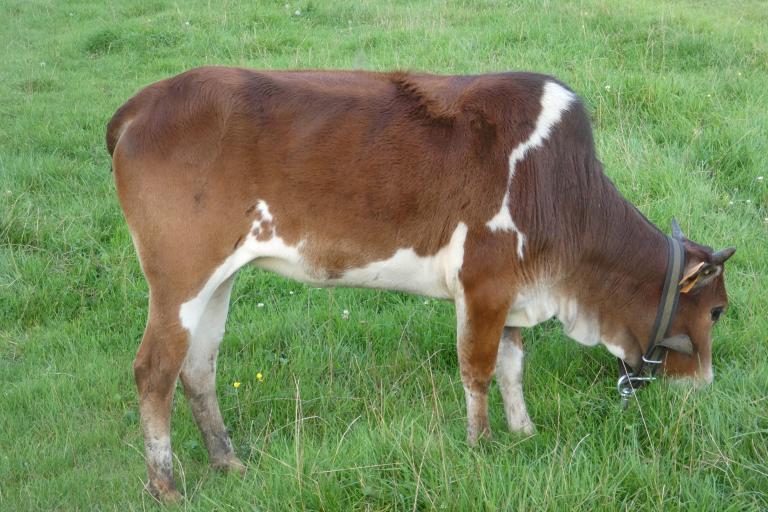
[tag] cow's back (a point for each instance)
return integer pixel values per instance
(352, 166)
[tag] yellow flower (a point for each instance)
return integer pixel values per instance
(235, 384)
(259, 377)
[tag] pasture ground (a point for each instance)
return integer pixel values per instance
(367, 412)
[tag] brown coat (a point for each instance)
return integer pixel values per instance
(485, 190)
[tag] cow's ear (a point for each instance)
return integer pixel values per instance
(698, 275)
(677, 233)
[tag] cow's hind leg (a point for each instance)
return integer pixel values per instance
(509, 375)
(156, 369)
(198, 374)
(480, 315)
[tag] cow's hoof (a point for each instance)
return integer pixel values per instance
(165, 494)
(520, 424)
(475, 437)
(524, 427)
(173, 497)
(229, 465)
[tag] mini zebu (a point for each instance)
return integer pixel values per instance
(484, 190)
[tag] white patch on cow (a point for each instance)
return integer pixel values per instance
(578, 324)
(700, 380)
(273, 254)
(433, 276)
(475, 414)
(264, 221)
(531, 307)
(158, 453)
(709, 377)
(509, 375)
(616, 350)
(263, 208)
(704, 375)
(200, 362)
(536, 305)
(554, 101)
(539, 304)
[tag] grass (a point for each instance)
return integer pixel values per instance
(368, 413)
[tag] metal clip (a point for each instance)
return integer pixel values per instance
(652, 361)
(627, 389)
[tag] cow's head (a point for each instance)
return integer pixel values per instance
(703, 300)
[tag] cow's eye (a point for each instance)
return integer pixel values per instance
(716, 312)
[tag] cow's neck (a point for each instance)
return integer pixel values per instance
(613, 287)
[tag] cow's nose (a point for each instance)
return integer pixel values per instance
(705, 379)
(697, 381)
(702, 379)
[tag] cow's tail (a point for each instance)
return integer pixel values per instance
(119, 122)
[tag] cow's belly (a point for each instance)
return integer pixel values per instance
(404, 271)
(432, 276)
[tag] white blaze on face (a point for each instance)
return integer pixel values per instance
(554, 101)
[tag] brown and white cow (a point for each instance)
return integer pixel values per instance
(484, 190)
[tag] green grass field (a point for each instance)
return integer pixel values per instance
(367, 412)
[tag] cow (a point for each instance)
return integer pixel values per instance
(484, 190)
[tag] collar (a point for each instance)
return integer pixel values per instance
(630, 381)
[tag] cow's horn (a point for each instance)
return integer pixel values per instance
(722, 255)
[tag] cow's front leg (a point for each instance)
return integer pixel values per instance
(480, 316)
(509, 375)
